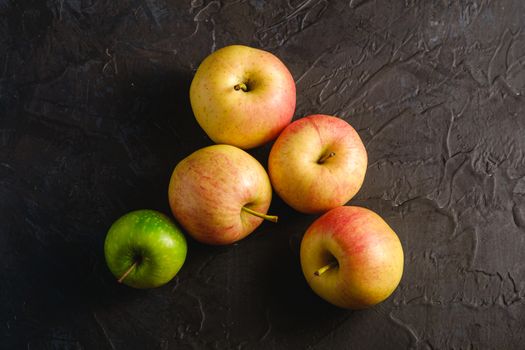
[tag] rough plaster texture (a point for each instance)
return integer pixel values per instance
(94, 114)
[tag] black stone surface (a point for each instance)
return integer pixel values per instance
(94, 114)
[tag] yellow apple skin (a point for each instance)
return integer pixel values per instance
(294, 168)
(245, 119)
(368, 253)
(208, 189)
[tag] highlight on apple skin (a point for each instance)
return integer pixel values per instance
(242, 96)
(220, 194)
(351, 258)
(317, 163)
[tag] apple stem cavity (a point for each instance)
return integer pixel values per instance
(325, 157)
(272, 218)
(326, 268)
(241, 86)
(121, 279)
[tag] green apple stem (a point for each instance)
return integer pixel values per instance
(241, 86)
(272, 218)
(121, 279)
(325, 157)
(325, 268)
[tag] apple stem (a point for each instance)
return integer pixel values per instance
(272, 218)
(325, 157)
(325, 268)
(241, 86)
(121, 279)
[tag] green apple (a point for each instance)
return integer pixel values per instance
(242, 96)
(144, 249)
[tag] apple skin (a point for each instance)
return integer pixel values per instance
(150, 239)
(368, 253)
(245, 119)
(297, 176)
(208, 189)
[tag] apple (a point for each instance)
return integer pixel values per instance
(220, 194)
(351, 257)
(317, 163)
(144, 249)
(242, 96)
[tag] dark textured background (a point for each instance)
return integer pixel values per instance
(94, 114)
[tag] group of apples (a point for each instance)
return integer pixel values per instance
(244, 97)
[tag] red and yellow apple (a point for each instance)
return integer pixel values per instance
(220, 194)
(317, 163)
(351, 258)
(242, 96)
